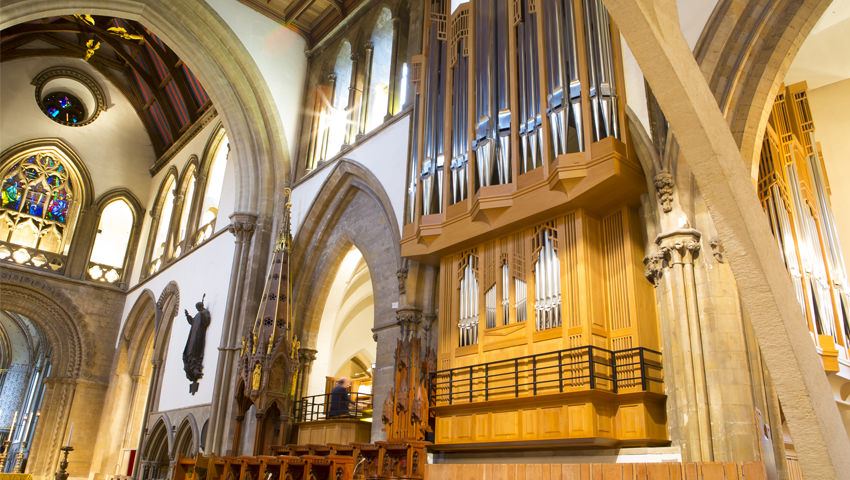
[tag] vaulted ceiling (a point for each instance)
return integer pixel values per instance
(313, 19)
(162, 89)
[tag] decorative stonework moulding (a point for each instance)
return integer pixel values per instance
(53, 73)
(664, 189)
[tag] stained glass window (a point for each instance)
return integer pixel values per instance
(64, 108)
(35, 202)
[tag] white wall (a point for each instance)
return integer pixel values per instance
(693, 15)
(193, 147)
(204, 271)
(384, 154)
(115, 148)
(279, 55)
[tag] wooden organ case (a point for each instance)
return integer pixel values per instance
(522, 186)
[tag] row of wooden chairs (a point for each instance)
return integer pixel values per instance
(358, 461)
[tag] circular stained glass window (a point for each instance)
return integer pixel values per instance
(64, 108)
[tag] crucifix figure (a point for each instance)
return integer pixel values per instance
(193, 353)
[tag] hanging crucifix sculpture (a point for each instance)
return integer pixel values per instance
(193, 353)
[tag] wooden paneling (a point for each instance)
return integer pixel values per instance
(620, 471)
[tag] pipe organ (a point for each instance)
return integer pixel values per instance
(793, 190)
(586, 371)
(543, 307)
(516, 108)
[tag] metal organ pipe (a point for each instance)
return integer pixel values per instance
(506, 293)
(529, 88)
(460, 132)
(563, 98)
(433, 161)
(547, 284)
(468, 323)
(493, 129)
(603, 94)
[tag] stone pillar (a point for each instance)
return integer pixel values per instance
(306, 357)
(683, 339)
(369, 50)
(393, 102)
(242, 226)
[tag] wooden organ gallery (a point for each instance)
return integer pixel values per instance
(523, 187)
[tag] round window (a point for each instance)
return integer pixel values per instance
(64, 108)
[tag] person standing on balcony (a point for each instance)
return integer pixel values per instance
(340, 402)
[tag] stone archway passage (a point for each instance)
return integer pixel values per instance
(652, 30)
(56, 316)
(352, 209)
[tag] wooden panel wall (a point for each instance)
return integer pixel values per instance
(620, 471)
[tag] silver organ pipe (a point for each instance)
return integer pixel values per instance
(603, 94)
(414, 164)
(493, 129)
(530, 132)
(563, 96)
(547, 301)
(433, 161)
(811, 256)
(506, 294)
(460, 133)
(468, 323)
(521, 294)
(490, 306)
(836, 257)
(782, 229)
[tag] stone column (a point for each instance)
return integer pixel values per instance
(242, 226)
(363, 114)
(679, 249)
(393, 102)
(306, 357)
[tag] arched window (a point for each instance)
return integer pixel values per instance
(160, 226)
(380, 71)
(216, 162)
(187, 187)
(337, 114)
(111, 242)
(40, 199)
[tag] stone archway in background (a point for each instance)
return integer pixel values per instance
(55, 314)
(351, 209)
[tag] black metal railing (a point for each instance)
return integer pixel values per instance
(318, 407)
(570, 370)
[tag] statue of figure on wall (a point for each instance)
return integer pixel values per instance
(193, 353)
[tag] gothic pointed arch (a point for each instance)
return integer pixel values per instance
(45, 188)
(116, 272)
(159, 245)
(351, 191)
(56, 315)
(744, 52)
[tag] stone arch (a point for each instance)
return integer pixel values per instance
(351, 209)
(744, 52)
(186, 440)
(370, 226)
(122, 398)
(155, 456)
(55, 314)
(223, 65)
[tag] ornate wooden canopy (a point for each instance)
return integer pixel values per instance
(160, 86)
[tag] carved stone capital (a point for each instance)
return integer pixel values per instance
(409, 319)
(664, 190)
(242, 226)
(682, 245)
(306, 356)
